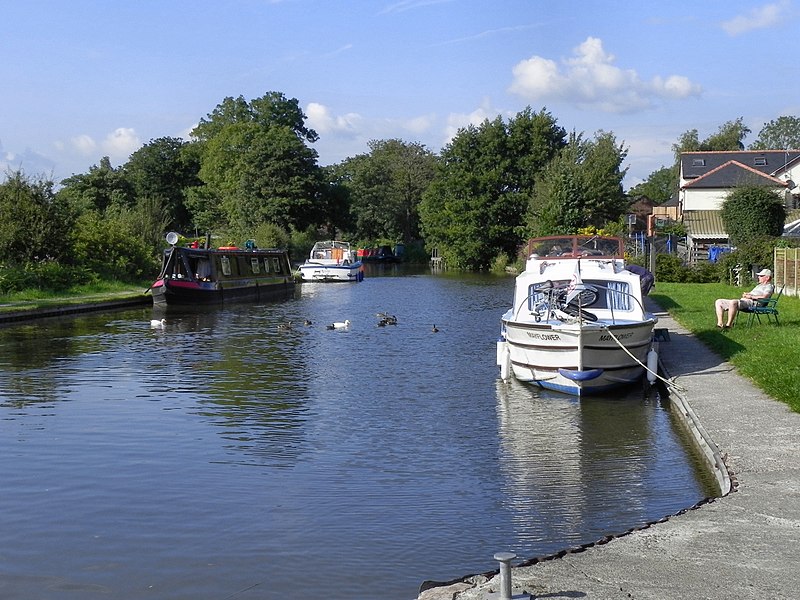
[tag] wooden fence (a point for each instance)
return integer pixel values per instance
(787, 269)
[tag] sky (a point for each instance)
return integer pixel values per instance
(84, 79)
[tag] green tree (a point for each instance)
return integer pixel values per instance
(385, 188)
(257, 166)
(101, 187)
(474, 209)
(580, 187)
(750, 212)
(36, 222)
(729, 137)
(659, 186)
(164, 169)
(782, 133)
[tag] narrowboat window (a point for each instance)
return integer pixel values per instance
(266, 265)
(226, 265)
(276, 263)
(254, 266)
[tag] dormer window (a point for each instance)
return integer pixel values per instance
(760, 161)
(698, 162)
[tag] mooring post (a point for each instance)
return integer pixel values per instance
(505, 559)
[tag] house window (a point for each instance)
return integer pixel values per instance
(698, 162)
(760, 161)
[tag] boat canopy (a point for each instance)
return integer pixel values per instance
(575, 246)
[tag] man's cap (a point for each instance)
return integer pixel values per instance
(764, 272)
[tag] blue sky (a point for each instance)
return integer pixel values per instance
(90, 78)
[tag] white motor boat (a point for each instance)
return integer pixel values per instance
(578, 323)
(331, 261)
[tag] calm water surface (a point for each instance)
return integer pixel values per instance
(225, 458)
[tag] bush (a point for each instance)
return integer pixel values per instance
(46, 276)
(670, 268)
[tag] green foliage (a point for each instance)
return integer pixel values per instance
(581, 186)
(101, 187)
(670, 267)
(756, 252)
(729, 137)
(385, 188)
(108, 247)
(474, 208)
(750, 212)
(164, 169)
(779, 134)
(500, 263)
(35, 222)
(48, 275)
(659, 186)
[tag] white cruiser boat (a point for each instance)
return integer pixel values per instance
(578, 323)
(331, 261)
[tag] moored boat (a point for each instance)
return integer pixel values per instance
(205, 275)
(577, 323)
(331, 260)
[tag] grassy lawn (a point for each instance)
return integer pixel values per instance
(766, 354)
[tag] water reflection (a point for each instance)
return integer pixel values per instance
(579, 469)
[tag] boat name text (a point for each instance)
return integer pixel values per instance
(544, 336)
(622, 336)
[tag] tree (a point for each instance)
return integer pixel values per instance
(164, 169)
(385, 188)
(750, 212)
(782, 133)
(101, 187)
(474, 209)
(580, 187)
(256, 164)
(729, 137)
(36, 223)
(271, 110)
(659, 186)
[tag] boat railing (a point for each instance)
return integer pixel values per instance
(553, 302)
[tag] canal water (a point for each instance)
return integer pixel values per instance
(225, 457)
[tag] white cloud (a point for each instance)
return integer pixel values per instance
(84, 144)
(420, 124)
(456, 121)
(590, 79)
(761, 17)
(321, 120)
(121, 143)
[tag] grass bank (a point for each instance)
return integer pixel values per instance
(104, 291)
(766, 354)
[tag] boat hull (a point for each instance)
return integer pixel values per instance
(579, 358)
(331, 273)
(193, 293)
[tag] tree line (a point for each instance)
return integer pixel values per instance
(249, 171)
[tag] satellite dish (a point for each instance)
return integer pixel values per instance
(172, 238)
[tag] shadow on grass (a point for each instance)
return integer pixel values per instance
(664, 302)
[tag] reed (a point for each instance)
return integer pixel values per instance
(767, 354)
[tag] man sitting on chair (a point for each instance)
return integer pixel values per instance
(763, 290)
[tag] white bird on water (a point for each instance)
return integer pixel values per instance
(157, 323)
(340, 325)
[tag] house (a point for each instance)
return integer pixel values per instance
(706, 178)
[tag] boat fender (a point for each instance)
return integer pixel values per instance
(505, 364)
(652, 365)
(228, 247)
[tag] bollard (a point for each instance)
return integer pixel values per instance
(505, 559)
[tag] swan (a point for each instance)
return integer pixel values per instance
(158, 323)
(340, 325)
